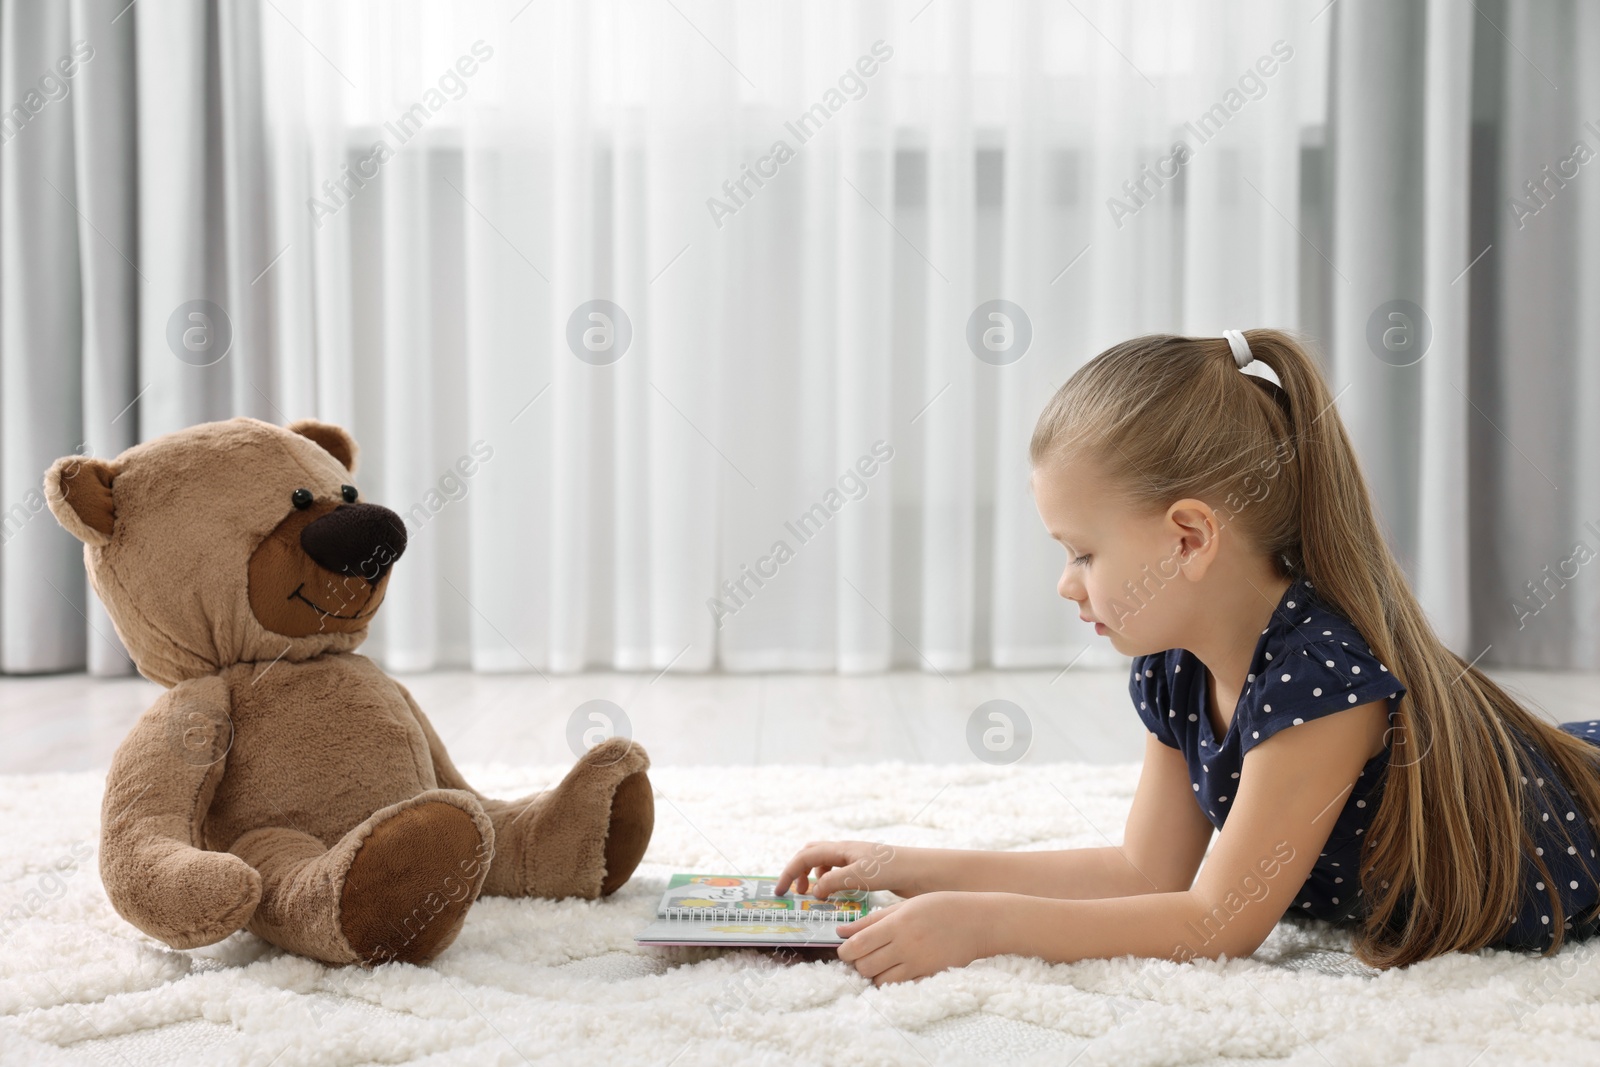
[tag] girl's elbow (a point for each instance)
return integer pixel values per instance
(1238, 948)
(1214, 931)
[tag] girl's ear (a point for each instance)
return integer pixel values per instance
(78, 490)
(335, 440)
(1197, 542)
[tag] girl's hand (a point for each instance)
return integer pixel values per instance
(917, 937)
(848, 865)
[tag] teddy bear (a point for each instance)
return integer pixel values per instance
(283, 783)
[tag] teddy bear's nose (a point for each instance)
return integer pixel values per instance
(359, 539)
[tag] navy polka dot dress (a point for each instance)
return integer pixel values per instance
(1310, 662)
(1573, 864)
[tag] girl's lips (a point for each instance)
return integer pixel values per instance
(1099, 627)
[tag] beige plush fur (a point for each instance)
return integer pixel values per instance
(284, 783)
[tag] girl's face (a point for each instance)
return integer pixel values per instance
(1123, 570)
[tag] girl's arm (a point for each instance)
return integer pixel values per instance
(1293, 787)
(1163, 843)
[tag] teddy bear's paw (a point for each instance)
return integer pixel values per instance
(407, 891)
(198, 899)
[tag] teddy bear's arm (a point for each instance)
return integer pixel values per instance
(158, 791)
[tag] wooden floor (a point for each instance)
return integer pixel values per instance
(74, 722)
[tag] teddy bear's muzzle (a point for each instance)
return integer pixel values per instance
(323, 568)
(362, 540)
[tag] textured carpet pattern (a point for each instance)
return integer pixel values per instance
(535, 982)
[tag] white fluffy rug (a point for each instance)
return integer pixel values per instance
(534, 982)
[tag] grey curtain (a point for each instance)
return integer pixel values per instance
(130, 179)
(1465, 142)
(1454, 185)
(69, 304)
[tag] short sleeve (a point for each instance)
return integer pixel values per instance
(1147, 687)
(1311, 679)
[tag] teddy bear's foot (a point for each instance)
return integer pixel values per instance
(408, 889)
(584, 837)
(395, 888)
(633, 817)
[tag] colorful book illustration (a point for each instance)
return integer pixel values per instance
(735, 910)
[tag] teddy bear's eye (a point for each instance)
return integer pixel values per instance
(349, 493)
(301, 498)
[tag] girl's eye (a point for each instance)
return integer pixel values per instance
(1079, 561)
(349, 493)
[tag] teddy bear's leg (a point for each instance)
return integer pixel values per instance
(584, 837)
(397, 887)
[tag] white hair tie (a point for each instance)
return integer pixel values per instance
(1241, 348)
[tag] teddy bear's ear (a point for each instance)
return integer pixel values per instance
(78, 490)
(335, 439)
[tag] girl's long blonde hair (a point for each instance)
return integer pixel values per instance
(1166, 417)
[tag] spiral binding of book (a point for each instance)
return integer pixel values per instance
(843, 912)
(746, 910)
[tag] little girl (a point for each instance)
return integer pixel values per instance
(1219, 531)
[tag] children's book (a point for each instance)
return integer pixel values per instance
(738, 911)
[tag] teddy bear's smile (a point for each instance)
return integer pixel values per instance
(297, 595)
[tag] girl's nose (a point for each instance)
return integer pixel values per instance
(1068, 585)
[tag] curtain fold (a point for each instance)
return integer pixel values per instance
(710, 335)
(106, 365)
(1440, 564)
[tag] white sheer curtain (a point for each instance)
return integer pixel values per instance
(962, 152)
